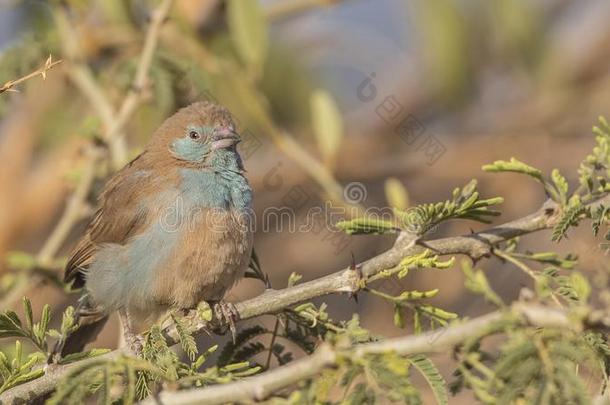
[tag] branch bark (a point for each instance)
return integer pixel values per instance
(475, 245)
(260, 387)
(42, 71)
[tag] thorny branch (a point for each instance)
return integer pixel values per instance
(263, 385)
(42, 71)
(475, 245)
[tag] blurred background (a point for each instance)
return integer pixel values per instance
(331, 97)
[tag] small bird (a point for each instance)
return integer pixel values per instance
(174, 228)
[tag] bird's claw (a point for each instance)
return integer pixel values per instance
(226, 312)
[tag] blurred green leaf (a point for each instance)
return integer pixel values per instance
(248, 30)
(396, 194)
(327, 124)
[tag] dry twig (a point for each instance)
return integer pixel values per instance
(42, 71)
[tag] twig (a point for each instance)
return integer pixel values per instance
(42, 71)
(74, 212)
(83, 78)
(272, 343)
(525, 268)
(118, 145)
(475, 245)
(262, 386)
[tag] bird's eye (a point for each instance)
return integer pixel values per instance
(194, 135)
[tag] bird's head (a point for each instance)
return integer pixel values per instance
(200, 135)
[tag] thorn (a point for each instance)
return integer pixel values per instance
(282, 321)
(353, 266)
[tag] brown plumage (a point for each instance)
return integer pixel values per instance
(173, 227)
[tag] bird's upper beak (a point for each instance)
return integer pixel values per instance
(224, 138)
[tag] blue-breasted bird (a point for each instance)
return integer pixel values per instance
(173, 227)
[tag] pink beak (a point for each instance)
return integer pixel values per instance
(224, 138)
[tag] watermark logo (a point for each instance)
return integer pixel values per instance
(355, 193)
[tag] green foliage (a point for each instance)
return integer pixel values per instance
(11, 325)
(243, 347)
(594, 170)
(424, 259)
(464, 204)
(327, 124)
(248, 31)
(16, 371)
(534, 366)
(19, 371)
(373, 226)
(515, 166)
(396, 194)
(556, 187)
(131, 379)
(476, 281)
(570, 217)
(434, 378)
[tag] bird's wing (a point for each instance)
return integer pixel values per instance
(118, 218)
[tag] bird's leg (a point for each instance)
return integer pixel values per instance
(132, 339)
(227, 313)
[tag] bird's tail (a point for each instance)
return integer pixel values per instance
(90, 322)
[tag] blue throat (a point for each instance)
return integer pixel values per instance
(221, 185)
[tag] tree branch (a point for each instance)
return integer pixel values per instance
(42, 71)
(83, 78)
(263, 385)
(475, 245)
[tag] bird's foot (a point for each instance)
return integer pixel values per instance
(226, 312)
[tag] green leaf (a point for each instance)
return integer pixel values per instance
(436, 312)
(434, 378)
(396, 194)
(561, 185)
(248, 30)
(294, 279)
(20, 260)
(68, 321)
(366, 226)
(204, 311)
(10, 325)
(417, 295)
(464, 204)
(477, 283)
(70, 358)
(29, 316)
(513, 165)
(230, 351)
(581, 286)
(187, 341)
(327, 124)
(570, 217)
(399, 319)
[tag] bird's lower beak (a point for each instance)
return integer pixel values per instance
(224, 138)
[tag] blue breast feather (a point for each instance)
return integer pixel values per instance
(220, 190)
(122, 275)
